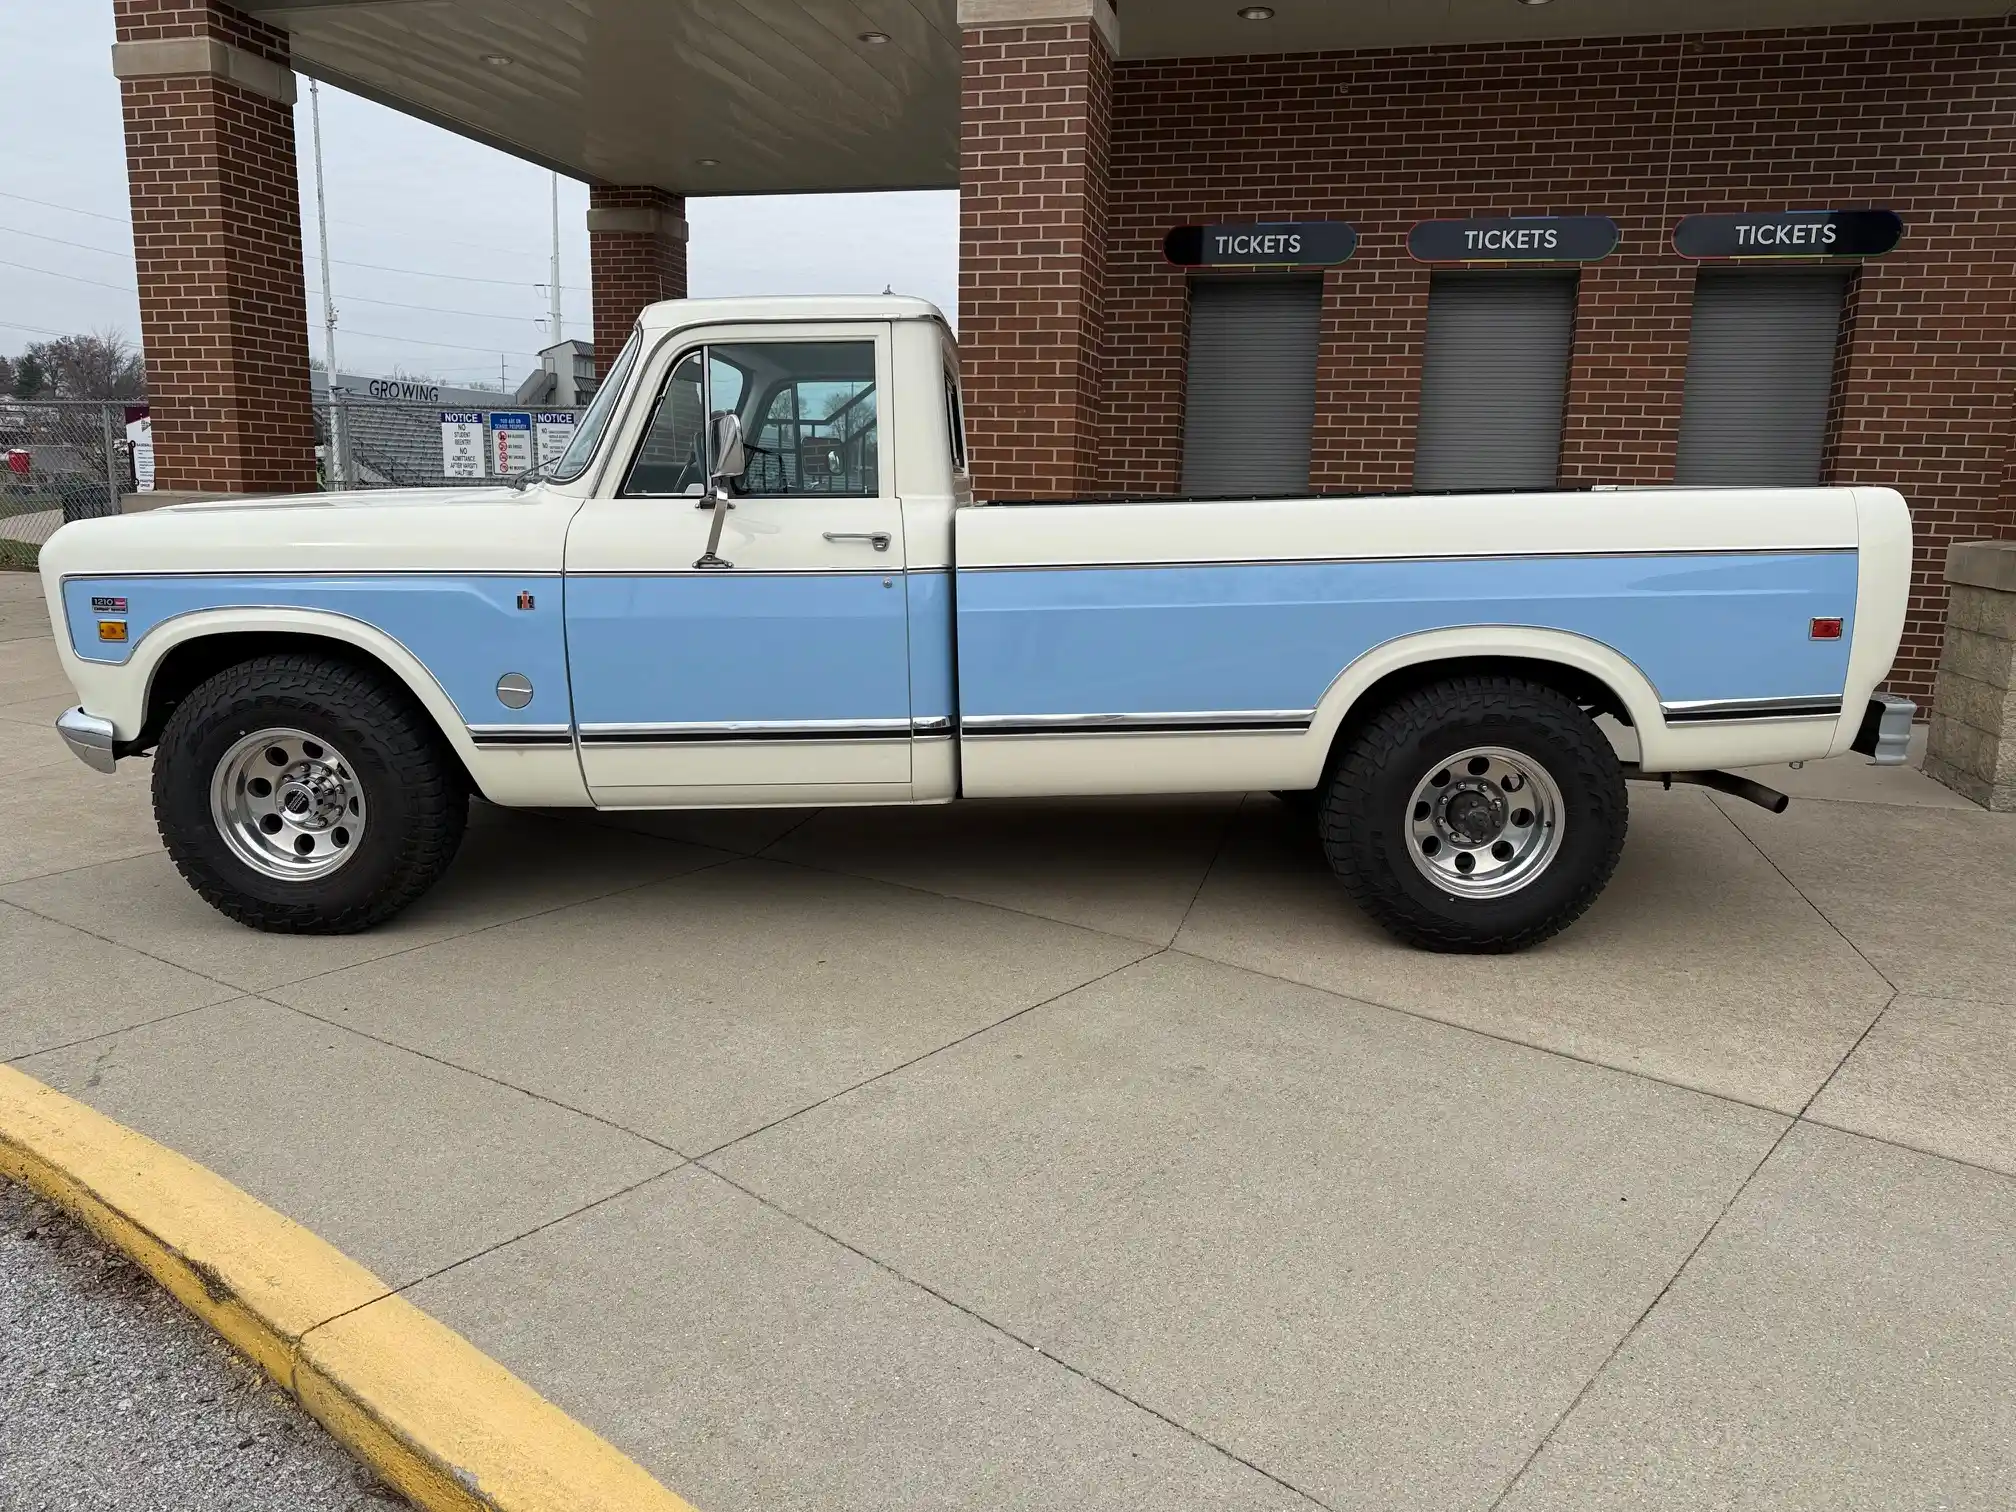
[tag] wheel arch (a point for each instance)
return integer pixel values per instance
(180, 654)
(1596, 676)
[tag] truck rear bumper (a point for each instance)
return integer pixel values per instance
(1885, 736)
(90, 738)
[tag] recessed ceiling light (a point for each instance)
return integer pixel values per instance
(708, 162)
(875, 39)
(497, 60)
(1536, 2)
(1256, 13)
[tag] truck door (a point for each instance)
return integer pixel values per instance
(780, 675)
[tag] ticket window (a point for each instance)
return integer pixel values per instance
(1250, 394)
(1494, 380)
(1760, 374)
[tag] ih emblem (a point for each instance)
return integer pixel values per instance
(524, 601)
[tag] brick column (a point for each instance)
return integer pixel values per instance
(1035, 126)
(636, 257)
(208, 95)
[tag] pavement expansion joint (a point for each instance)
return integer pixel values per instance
(433, 1417)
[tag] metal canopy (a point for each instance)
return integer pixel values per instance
(786, 97)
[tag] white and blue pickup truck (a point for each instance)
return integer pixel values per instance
(759, 577)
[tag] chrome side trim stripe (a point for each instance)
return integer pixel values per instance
(520, 737)
(693, 733)
(1717, 710)
(1454, 556)
(1214, 722)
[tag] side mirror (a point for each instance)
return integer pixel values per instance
(730, 458)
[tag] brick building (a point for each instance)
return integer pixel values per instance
(1844, 317)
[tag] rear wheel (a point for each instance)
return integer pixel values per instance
(1480, 814)
(303, 795)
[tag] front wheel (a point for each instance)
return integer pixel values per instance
(1481, 814)
(301, 795)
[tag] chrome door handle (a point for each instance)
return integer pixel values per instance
(879, 539)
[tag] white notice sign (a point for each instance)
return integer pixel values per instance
(462, 443)
(552, 434)
(510, 443)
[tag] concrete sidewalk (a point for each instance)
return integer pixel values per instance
(1099, 1155)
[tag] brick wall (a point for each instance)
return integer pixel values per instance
(1034, 124)
(217, 247)
(631, 269)
(1920, 118)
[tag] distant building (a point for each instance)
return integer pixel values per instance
(565, 377)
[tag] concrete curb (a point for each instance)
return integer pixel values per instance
(434, 1416)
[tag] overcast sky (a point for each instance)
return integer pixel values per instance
(403, 196)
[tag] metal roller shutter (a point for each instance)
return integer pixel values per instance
(1250, 399)
(1494, 378)
(1760, 370)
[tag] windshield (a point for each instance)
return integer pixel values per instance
(595, 419)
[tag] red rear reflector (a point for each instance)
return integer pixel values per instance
(1825, 629)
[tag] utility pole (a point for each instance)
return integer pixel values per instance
(554, 274)
(339, 448)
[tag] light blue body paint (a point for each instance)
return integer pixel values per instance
(736, 645)
(466, 630)
(1103, 640)
(932, 690)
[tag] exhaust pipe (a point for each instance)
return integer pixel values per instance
(1723, 782)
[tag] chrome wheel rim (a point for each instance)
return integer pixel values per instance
(1485, 822)
(288, 804)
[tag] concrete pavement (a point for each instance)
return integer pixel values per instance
(1095, 1155)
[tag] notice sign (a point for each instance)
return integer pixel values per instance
(552, 434)
(462, 443)
(510, 443)
(1788, 233)
(1274, 244)
(1514, 239)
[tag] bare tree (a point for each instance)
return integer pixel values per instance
(100, 366)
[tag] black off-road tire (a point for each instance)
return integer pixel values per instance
(1364, 821)
(415, 790)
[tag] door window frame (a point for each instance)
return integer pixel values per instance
(663, 360)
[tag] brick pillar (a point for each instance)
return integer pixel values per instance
(1035, 126)
(208, 95)
(636, 257)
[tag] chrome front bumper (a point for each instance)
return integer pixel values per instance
(89, 738)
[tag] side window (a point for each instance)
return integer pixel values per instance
(808, 420)
(808, 415)
(672, 459)
(955, 420)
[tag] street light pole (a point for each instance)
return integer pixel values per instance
(339, 450)
(554, 274)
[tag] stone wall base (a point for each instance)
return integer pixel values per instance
(1973, 740)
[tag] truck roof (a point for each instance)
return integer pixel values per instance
(670, 314)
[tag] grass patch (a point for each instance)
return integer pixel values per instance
(19, 556)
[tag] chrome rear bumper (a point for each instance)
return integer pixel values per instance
(89, 738)
(1885, 735)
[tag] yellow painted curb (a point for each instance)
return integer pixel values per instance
(429, 1412)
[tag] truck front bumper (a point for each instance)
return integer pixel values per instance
(90, 738)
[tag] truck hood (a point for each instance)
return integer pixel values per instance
(441, 530)
(368, 498)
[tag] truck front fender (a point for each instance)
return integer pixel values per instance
(123, 692)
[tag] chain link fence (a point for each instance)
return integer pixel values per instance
(379, 443)
(63, 460)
